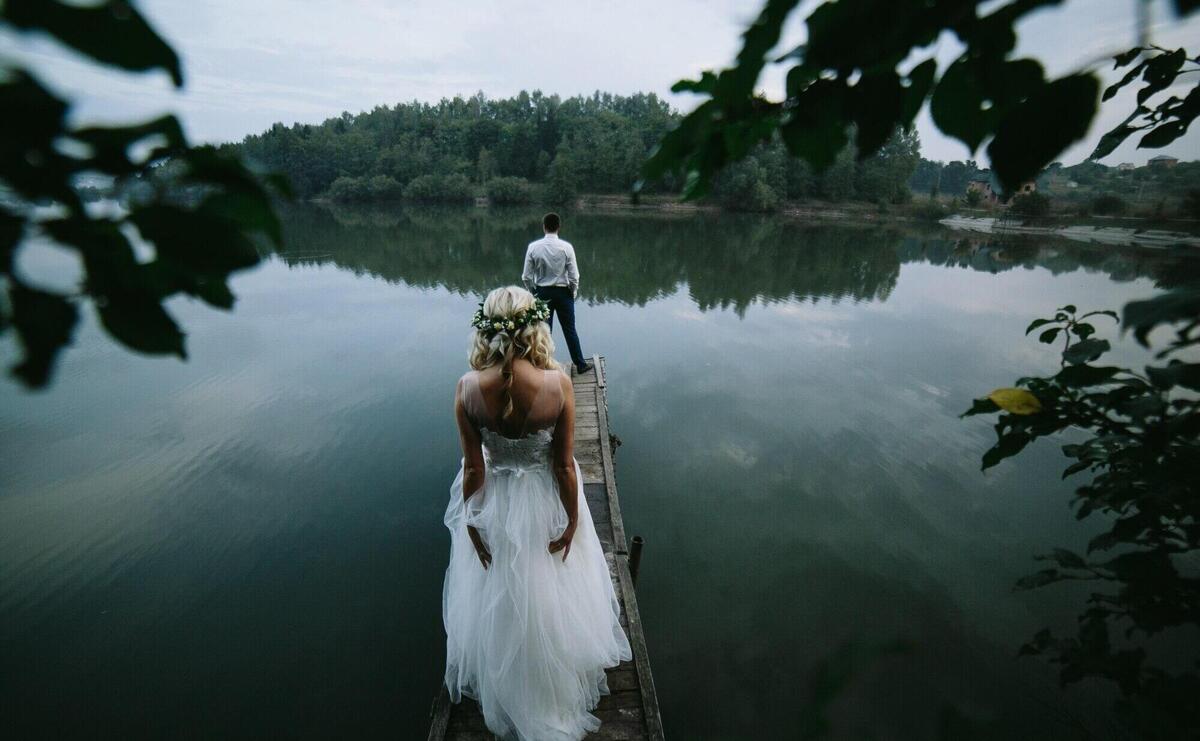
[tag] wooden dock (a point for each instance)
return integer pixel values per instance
(631, 710)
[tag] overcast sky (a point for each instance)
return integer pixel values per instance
(250, 63)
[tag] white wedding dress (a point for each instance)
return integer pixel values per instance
(530, 636)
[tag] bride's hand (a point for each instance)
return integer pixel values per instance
(485, 556)
(564, 541)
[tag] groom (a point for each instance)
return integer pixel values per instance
(551, 273)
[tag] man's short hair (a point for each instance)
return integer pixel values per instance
(551, 222)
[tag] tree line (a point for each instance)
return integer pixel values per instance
(533, 147)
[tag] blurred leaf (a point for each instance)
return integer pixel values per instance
(1041, 127)
(706, 84)
(45, 323)
(1008, 445)
(1066, 559)
(1162, 135)
(816, 130)
(1171, 306)
(1049, 335)
(876, 107)
(1075, 468)
(1086, 375)
(1160, 72)
(194, 239)
(111, 145)
(142, 324)
(1129, 77)
(33, 120)
(1016, 401)
(1039, 579)
(974, 95)
(1176, 373)
(981, 406)
(112, 32)
(920, 82)
(1037, 323)
(1085, 351)
(11, 229)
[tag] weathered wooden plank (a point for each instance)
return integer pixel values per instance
(610, 478)
(641, 656)
(439, 715)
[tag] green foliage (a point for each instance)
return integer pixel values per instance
(930, 210)
(1109, 205)
(509, 191)
(376, 188)
(972, 198)
(1030, 204)
(744, 187)
(198, 207)
(440, 189)
(562, 181)
(1158, 68)
(607, 136)
(1191, 203)
(1142, 451)
(842, 77)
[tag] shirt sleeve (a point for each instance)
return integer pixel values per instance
(572, 271)
(527, 272)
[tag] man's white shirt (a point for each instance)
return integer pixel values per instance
(550, 261)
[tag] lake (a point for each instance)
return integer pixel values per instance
(250, 543)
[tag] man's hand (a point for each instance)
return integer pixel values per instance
(564, 541)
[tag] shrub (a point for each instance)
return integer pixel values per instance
(562, 186)
(384, 187)
(1030, 204)
(348, 188)
(1191, 204)
(929, 211)
(1109, 205)
(509, 191)
(351, 189)
(439, 188)
(744, 187)
(972, 198)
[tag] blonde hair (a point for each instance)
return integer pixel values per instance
(532, 342)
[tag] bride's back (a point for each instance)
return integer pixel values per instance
(537, 398)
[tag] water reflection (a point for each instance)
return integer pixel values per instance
(725, 261)
(250, 543)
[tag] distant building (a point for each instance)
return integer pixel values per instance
(989, 189)
(982, 185)
(1125, 166)
(1163, 162)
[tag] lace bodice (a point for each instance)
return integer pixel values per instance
(532, 450)
(506, 454)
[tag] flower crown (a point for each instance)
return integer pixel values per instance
(492, 326)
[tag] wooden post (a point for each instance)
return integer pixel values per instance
(635, 557)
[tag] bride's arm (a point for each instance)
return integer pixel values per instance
(473, 469)
(564, 468)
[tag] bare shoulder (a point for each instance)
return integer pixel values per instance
(564, 380)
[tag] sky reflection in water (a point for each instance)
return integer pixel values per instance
(251, 542)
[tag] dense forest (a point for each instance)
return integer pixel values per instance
(538, 148)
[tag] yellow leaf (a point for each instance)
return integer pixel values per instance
(1016, 401)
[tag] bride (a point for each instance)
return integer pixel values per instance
(530, 614)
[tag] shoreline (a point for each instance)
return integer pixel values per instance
(916, 211)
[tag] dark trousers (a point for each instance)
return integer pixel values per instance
(562, 303)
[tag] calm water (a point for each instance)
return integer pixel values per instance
(250, 543)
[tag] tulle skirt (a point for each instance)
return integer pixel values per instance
(530, 637)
